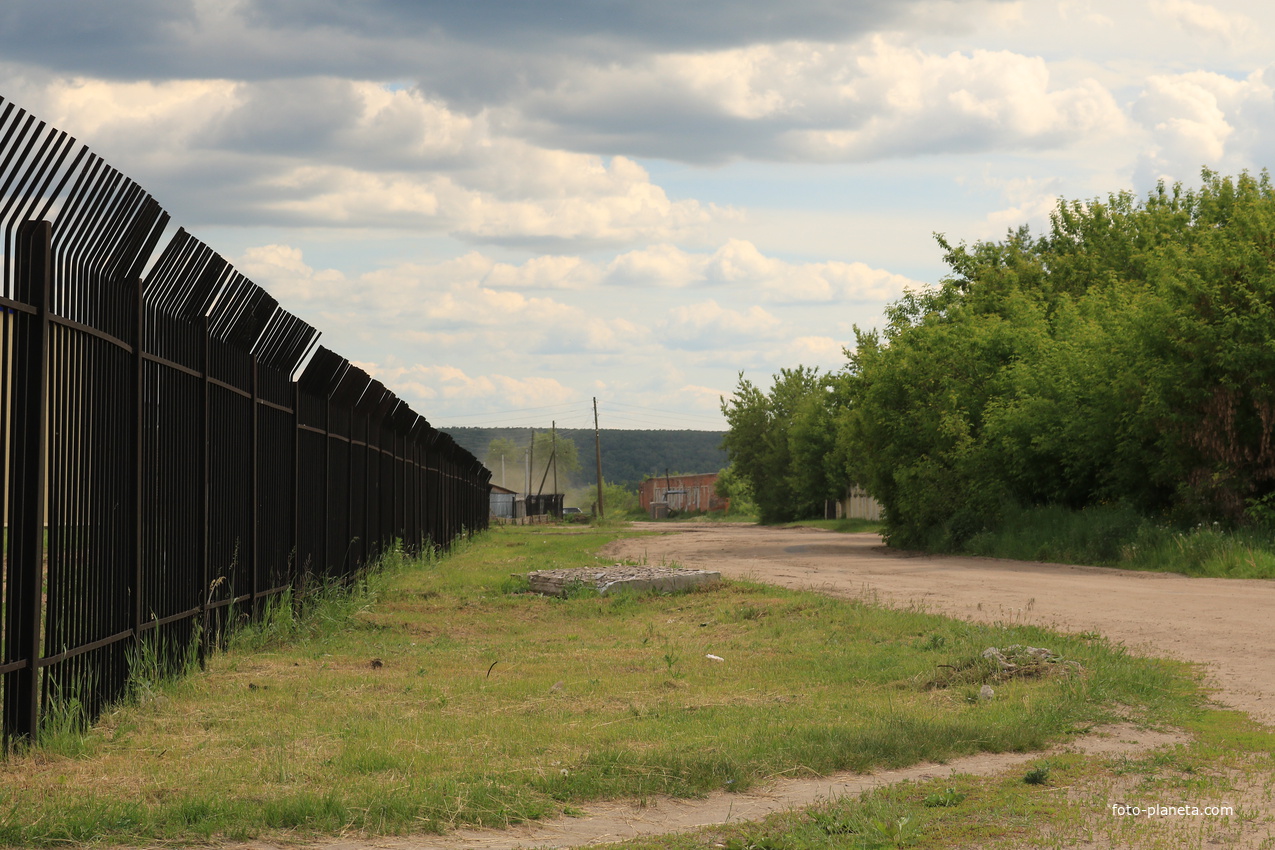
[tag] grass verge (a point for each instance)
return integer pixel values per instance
(1222, 772)
(1118, 536)
(447, 695)
(844, 525)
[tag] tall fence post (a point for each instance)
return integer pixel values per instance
(138, 478)
(296, 493)
(325, 561)
(254, 534)
(28, 443)
(205, 482)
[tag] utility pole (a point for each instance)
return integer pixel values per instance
(597, 447)
(554, 426)
(531, 461)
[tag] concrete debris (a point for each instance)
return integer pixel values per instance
(1017, 655)
(619, 577)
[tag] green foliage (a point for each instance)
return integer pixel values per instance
(1039, 774)
(619, 499)
(1126, 356)
(782, 444)
(1117, 535)
(735, 487)
(947, 798)
(568, 456)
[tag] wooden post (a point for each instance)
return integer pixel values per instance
(597, 448)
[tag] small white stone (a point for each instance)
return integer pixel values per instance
(986, 692)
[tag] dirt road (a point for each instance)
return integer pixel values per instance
(1222, 623)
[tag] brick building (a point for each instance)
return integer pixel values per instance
(695, 493)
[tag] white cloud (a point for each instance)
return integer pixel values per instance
(1084, 12)
(469, 301)
(493, 392)
(708, 325)
(658, 265)
(1204, 119)
(740, 265)
(547, 272)
(1202, 18)
(1030, 202)
(353, 153)
(878, 98)
(821, 351)
(914, 102)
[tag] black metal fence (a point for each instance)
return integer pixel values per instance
(162, 471)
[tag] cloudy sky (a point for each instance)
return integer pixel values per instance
(504, 209)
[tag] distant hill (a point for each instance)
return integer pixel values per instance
(627, 456)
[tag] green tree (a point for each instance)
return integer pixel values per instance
(620, 500)
(731, 485)
(760, 443)
(1128, 354)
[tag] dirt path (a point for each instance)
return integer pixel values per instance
(1220, 623)
(606, 823)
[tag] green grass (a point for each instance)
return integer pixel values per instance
(844, 525)
(693, 516)
(1118, 536)
(443, 694)
(1063, 801)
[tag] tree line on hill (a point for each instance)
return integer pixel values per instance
(628, 456)
(1126, 356)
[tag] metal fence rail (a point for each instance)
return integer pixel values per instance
(163, 474)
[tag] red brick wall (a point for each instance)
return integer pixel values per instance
(700, 495)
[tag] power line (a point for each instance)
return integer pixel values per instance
(704, 425)
(503, 411)
(662, 416)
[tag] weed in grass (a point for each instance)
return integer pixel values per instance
(873, 820)
(671, 658)
(578, 589)
(946, 798)
(1038, 774)
(63, 727)
(934, 642)
(516, 583)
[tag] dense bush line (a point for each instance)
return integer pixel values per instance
(1125, 357)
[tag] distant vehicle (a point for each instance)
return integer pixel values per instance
(570, 511)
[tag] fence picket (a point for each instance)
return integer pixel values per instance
(188, 464)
